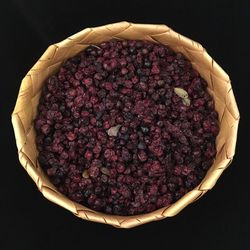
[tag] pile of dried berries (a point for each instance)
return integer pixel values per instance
(126, 127)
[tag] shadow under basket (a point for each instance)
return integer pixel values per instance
(219, 87)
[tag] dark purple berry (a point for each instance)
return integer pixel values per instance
(163, 145)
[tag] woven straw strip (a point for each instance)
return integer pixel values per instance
(218, 85)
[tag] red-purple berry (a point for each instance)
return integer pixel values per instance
(112, 133)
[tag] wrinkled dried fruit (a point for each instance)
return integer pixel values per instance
(126, 127)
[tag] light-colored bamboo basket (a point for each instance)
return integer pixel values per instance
(26, 108)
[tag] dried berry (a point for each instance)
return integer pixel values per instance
(126, 127)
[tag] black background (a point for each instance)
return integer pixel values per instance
(219, 220)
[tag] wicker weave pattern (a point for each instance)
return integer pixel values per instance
(30, 90)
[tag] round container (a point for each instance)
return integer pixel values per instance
(219, 87)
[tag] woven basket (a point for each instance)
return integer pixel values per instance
(26, 107)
